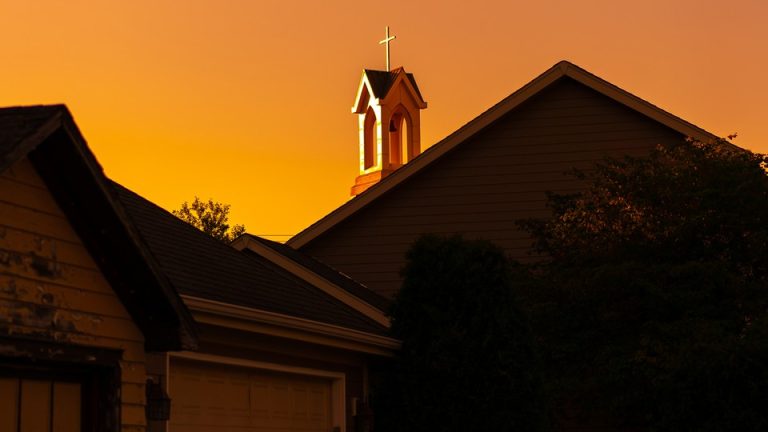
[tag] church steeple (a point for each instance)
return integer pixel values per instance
(388, 105)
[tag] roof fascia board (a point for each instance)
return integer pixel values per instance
(635, 103)
(187, 328)
(274, 324)
(256, 364)
(314, 279)
(365, 84)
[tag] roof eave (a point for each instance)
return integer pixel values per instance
(264, 322)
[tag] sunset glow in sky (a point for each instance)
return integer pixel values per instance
(248, 101)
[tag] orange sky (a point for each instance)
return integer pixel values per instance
(249, 101)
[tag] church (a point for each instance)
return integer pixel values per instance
(479, 180)
(117, 316)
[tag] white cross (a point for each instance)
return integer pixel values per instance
(386, 41)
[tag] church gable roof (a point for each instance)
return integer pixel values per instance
(561, 70)
(381, 81)
(50, 139)
(377, 84)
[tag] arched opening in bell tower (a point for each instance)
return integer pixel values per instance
(399, 137)
(370, 139)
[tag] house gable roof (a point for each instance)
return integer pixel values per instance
(49, 137)
(560, 70)
(201, 267)
(24, 128)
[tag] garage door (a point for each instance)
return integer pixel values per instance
(208, 397)
(39, 405)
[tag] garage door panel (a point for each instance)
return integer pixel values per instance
(318, 408)
(35, 393)
(300, 403)
(209, 397)
(66, 406)
(39, 405)
(259, 400)
(9, 403)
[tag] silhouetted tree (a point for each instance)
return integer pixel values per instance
(466, 362)
(652, 306)
(211, 217)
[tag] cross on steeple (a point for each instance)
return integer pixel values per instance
(386, 41)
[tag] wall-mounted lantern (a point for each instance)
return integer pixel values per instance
(158, 403)
(363, 415)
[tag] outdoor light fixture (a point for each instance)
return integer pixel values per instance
(158, 403)
(363, 416)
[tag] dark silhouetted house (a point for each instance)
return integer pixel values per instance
(82, 303)
(491, 172)
(101, 290)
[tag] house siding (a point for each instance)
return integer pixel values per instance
(52, 290)
(483, 186)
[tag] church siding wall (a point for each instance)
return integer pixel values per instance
(487, 183)
(52, 290)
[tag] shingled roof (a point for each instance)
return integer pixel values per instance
(381, 81)
(18, 127)
(329, 273)
(203, 267)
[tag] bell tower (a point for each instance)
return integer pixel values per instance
(387, 105)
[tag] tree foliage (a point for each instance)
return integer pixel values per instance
(467, 361)
(211, 217)
(651, 309)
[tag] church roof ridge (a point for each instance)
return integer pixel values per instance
(381, 81)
